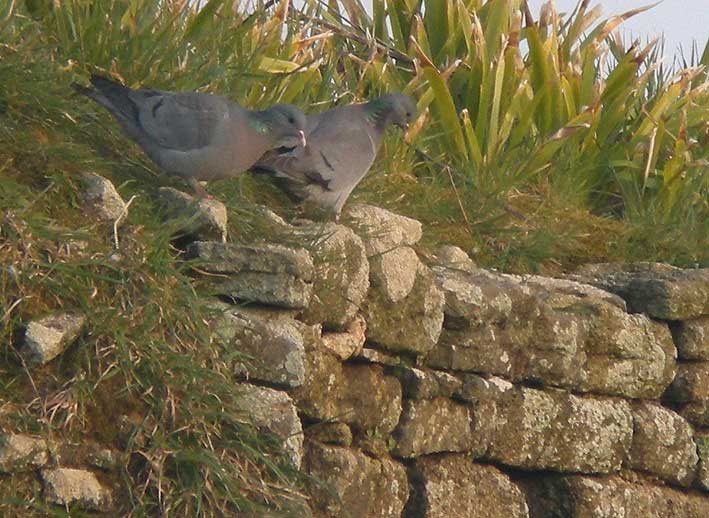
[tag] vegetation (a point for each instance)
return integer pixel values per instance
(542, 143)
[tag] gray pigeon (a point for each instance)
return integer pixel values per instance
(194, 135)
(342, 144)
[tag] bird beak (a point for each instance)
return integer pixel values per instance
(302, 137)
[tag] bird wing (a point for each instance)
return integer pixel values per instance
(183, 121)
(340, 150)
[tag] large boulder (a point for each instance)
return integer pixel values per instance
(349, 484)
(268, 274)
(659, 290)
(452, 485)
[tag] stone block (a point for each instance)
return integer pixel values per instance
(341, 273)
(426, 383)
(553, 430)
(435, 425)
(204, 218)
(691, 383)
(275, 346)
(349, 343)
(701, 439)
(273, 411)
(411, 325)
(359, 395)
(609, 497)
(454, 258)
(550, 331)
(692, 338)
(659, 290)
(354, 485)
(48, 337)
(696, 412)
(452, 485)
(663, 444)
(66, 486)
(394, 272)
(382, 230)
(267, 274)
(19, 452)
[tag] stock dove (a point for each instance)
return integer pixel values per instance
(342, 144)
(197, 136)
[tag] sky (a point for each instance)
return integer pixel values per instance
(681, 21)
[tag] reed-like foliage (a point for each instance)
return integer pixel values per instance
(543, 141)
(515, 100)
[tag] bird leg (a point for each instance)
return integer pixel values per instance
(198, 189)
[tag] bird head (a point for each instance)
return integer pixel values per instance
(403, 109)
(397, 108)
(287, 124)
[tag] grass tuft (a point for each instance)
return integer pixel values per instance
(542, 144)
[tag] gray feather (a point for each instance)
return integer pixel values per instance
(342, 145)
(195, 135)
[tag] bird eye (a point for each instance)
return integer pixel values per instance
(291, 120)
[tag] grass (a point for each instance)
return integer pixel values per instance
(607, 164)
(147, 377)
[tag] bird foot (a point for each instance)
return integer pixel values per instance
(199, 190)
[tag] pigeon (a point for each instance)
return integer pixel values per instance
(342, 144)
(197, 136)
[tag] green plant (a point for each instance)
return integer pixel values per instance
(519, 104)
(541, 144)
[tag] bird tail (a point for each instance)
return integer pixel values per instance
(281, 180)
(116, 99)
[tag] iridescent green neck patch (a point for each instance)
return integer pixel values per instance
(259, 126)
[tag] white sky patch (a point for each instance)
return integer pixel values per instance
(682, 22)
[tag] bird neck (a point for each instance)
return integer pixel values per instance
(378, 113)
(261, 122)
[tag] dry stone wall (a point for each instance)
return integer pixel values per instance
(411, 388)
(443, 389)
